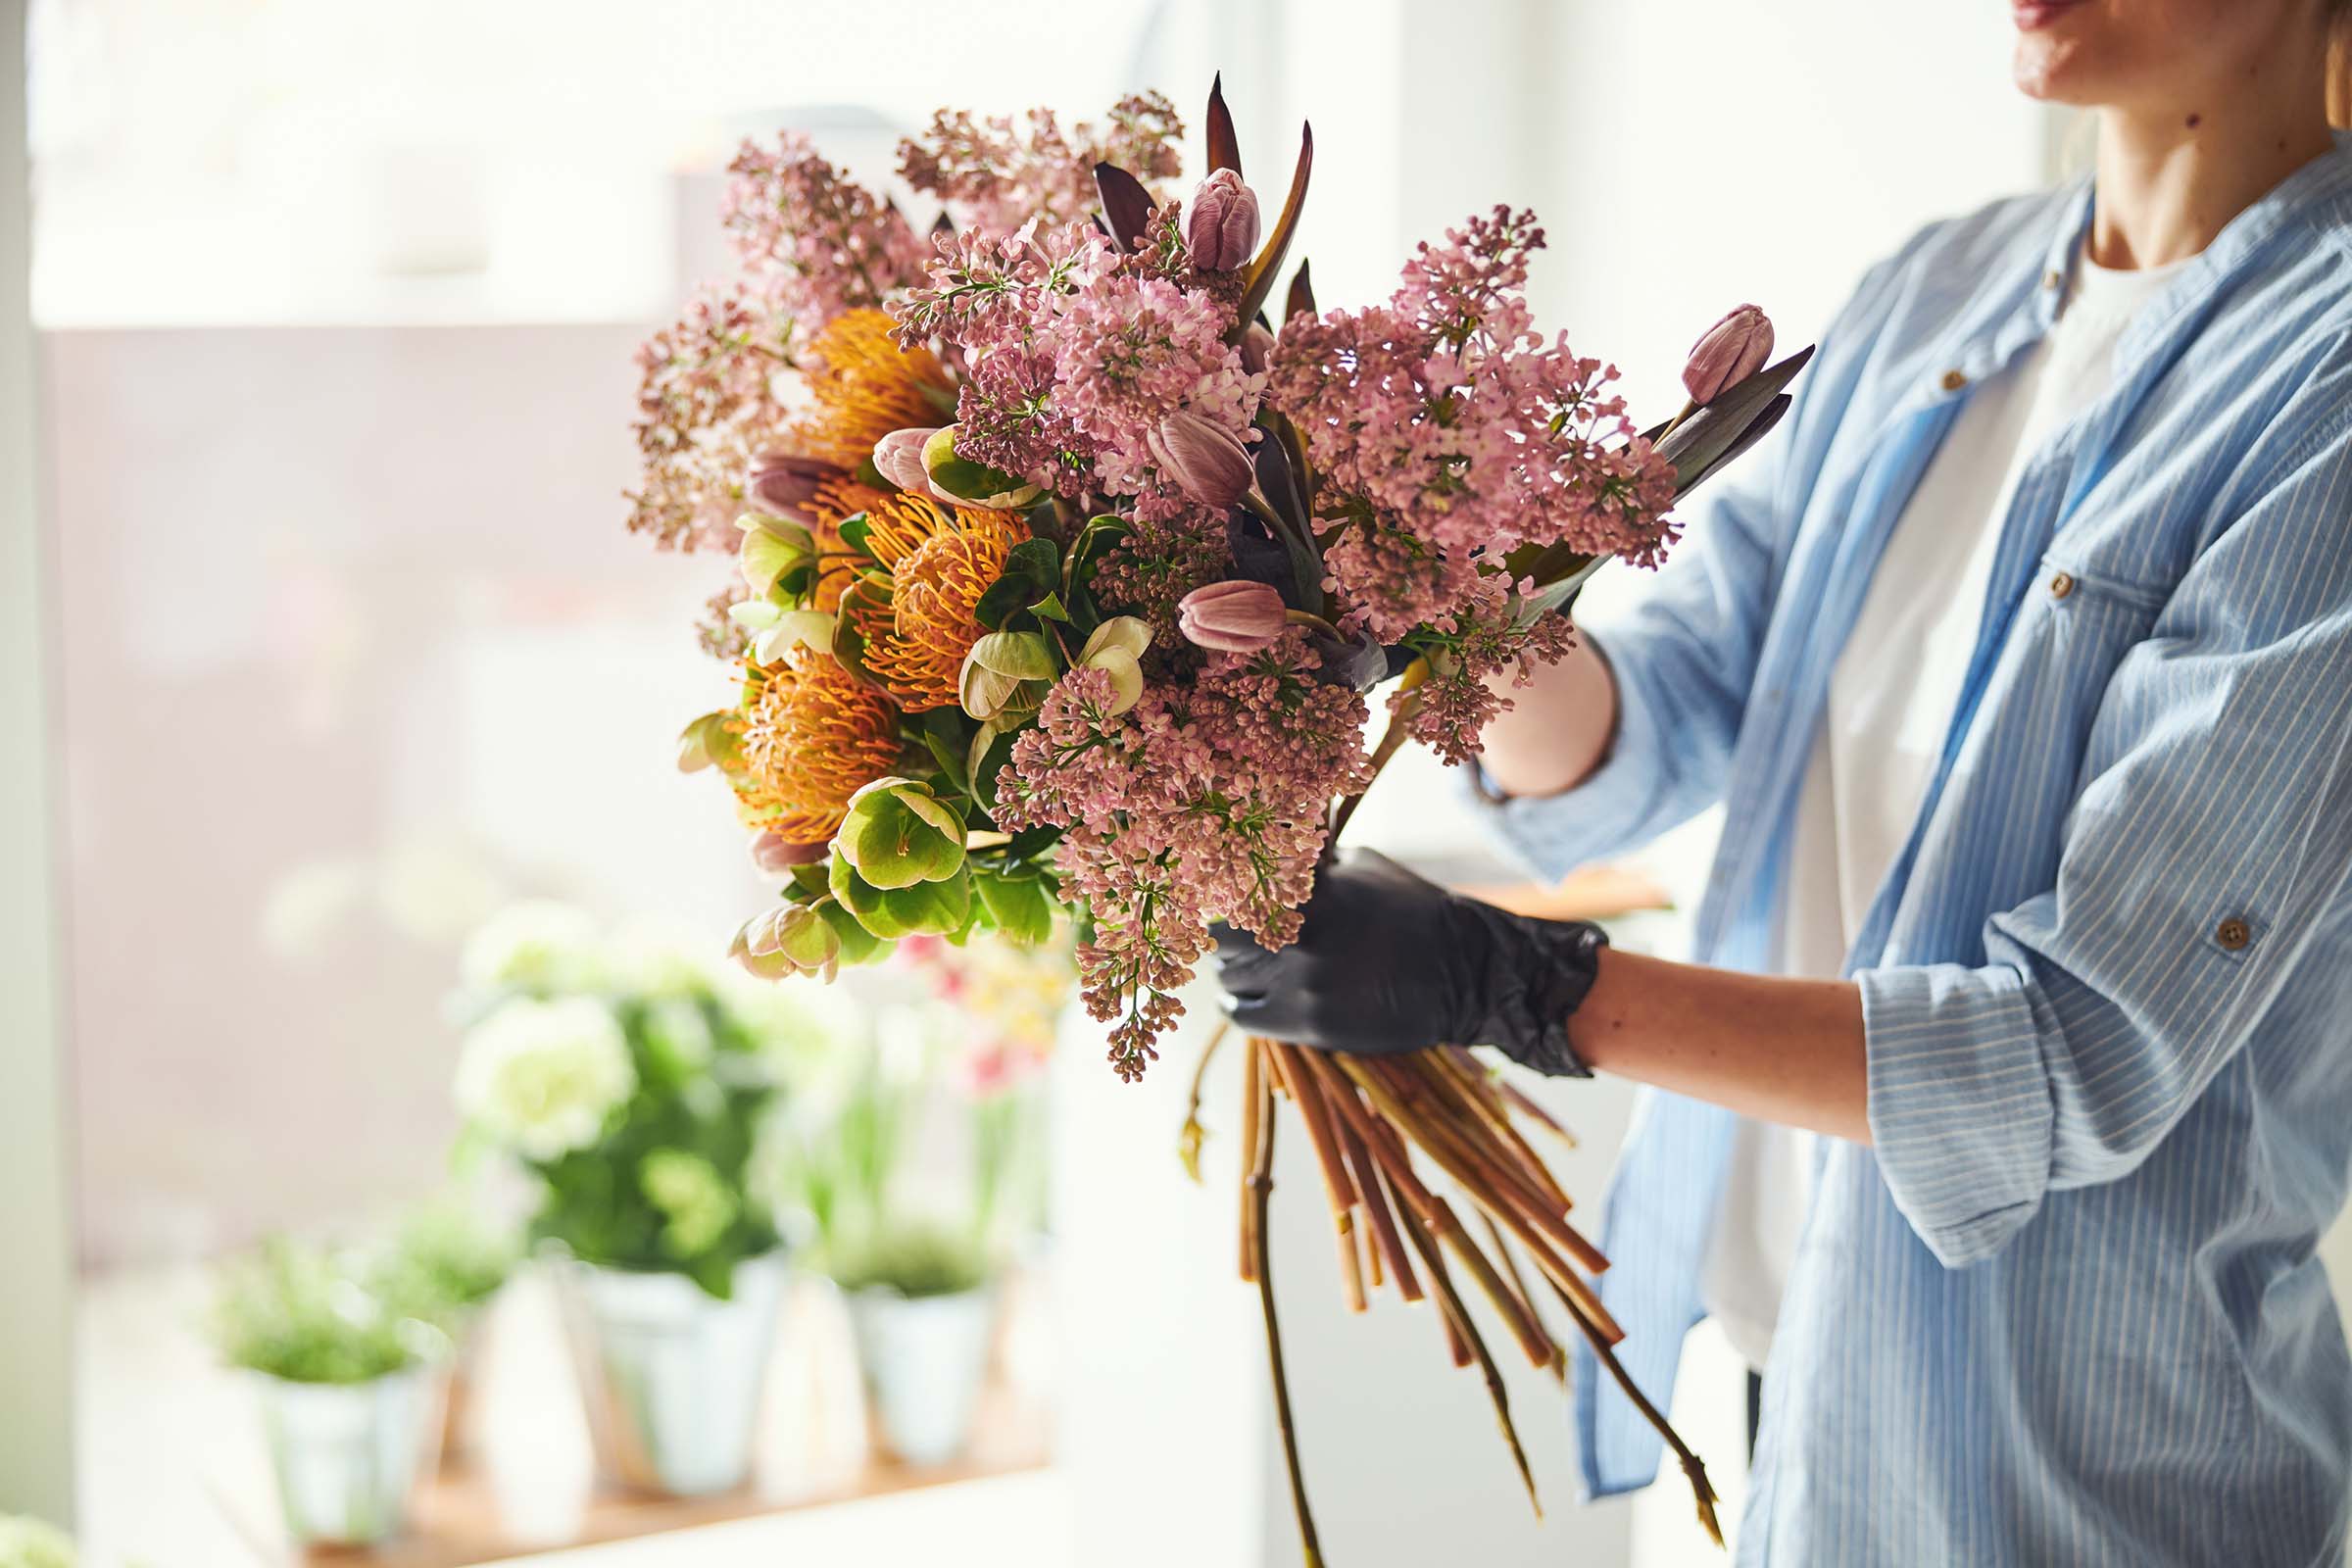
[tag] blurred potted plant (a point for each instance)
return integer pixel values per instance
(349, 1385)
(923, 1299)
(630, 1081)
(919, 1273)
(445, 1263)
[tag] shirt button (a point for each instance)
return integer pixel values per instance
(2052, 278)
(2233, 933)
(2062, 585)
(1954, 381)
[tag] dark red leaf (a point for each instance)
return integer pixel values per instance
(1224, 148)
(1278, 241)
(1126, 205)
(1302, 297)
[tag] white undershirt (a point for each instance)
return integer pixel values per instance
(1893, 694)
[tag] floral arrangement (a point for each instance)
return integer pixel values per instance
(634, 1084)
(1068, 569)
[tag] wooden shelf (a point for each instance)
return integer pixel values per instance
(459, 1520)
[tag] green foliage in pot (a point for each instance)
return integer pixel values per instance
(632, 1081)
(914, 1260)
(445, 1259)
(308, 1315)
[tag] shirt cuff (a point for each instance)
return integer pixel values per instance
(1960, 1112)
(1612, 811)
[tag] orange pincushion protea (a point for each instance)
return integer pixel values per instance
(866, 386)
(941, 561)
(813, 734)
(836, 502)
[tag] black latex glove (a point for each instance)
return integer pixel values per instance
(1389, 961)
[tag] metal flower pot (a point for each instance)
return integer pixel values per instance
(347, 1455)
(670, 1377)
(925, 1359)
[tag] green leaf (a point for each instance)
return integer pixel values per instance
(948, 737)
(855, 529)
(1032, 571)
(1018, 904)
(1050, 607)
(989, 761)
(928, 908)
(857, 943)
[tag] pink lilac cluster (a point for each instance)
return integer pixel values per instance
(1450, 433)
(1206, 801)
(705, 411)
(1075, 357)
(820, 243)
(999, 175)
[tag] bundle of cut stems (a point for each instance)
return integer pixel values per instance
(1364, 1117)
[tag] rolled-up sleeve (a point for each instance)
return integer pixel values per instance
(2211, 841)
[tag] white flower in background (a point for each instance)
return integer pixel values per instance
(537, 945)
(646, 959)
(540, 1077)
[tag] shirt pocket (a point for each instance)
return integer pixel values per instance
(2074, 627)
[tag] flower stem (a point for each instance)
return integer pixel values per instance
(1261, 1192)
(1702, 1492)
(1457, 1317)
(1192, 1135)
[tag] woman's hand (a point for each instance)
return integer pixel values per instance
(1389, 961)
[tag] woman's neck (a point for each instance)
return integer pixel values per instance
(2169, 180)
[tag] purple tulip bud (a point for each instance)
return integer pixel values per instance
(1221, 228)
(1231, 618)
(773, 853)
(899, 458)
(1728, 353)
(1209, 463)
(785, 484)
(1257, 349)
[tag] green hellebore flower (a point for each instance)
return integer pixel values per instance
(973, 484)
(926, 909)
(1117, 647)
(790, 939)
(898, 833)
(708, 742)
(771, 547)
(1006, 673)
(811, 628)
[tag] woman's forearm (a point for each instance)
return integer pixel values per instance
(1781, 1050)
(1558, 728)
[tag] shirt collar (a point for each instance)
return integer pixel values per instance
(2019, 307)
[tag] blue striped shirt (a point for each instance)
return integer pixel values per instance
(2066, 1309)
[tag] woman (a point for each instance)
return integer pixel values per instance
(2024, 666)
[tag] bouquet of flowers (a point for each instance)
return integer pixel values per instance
(1069, 566)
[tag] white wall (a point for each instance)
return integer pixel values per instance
(36, 1455)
